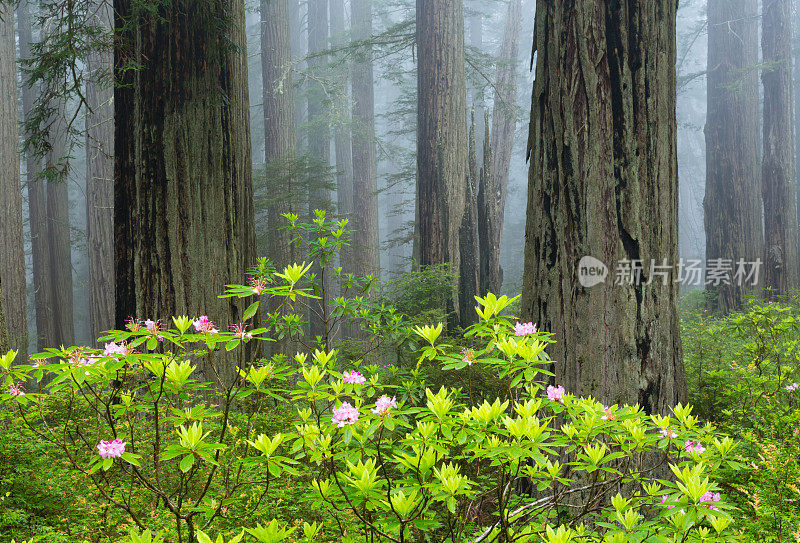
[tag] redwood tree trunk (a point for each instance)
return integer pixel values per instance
(100, 178)
(184, 191)
(603, 182)
(279, 128)
(441, 135)
(780, 213)
(504, 125)
(37, 210)
(12, 253)
(732, 202)
(366, 255)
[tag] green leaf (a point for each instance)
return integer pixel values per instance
(250, 311)
(187, 463)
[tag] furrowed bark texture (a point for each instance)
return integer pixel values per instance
(37, 201)
(491, 277)
(441, 135)
(732, 202)
(12, 252)
(366, 255)
(780, 213)
(4, 346)
(100, 177)
(276, 59)
(504, 125)
(183, 199)
(603, 182)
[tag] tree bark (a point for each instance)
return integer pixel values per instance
(12, 253)
(468, 238)
(780, 213)
(100, 177)
(441, 135)
(504, 125)
(279, 128)
(183, 198)
(491, 277)
(732, 201)
(37, 202)
(603, 182)
(366, 254)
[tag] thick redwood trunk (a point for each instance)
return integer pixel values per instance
(12, 253)
(441, 135)
(183, 191)
(780, 213)
(603, 182)
(468, 238)
(732, 202)
(100, 177)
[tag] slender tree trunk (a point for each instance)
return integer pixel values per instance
(100, 177)
(604, 182)
(12, 253)
(477, 98)
(279, 130)
(298, 45)
(342, 143)
(366, 254)
(4, 345)
(732, 202)
(319, 143)
(183, 196)
(468, 238)
(441, 135)
(504, 125)
(488, 228)
(780, 212)
(37, 201)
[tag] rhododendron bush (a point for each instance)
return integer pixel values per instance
(382, 458)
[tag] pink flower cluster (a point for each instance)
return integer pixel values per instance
(555, 394)
(792, 387)
(524, 329)
(668, 433)
(258, 285)
(240, 331)
(16, 390)
(112, 349)
(608, 415)
(468, 355)
(384, 405)
(353, 378)
(693, 446)
(111, 449)
(344, 414)
(710, 497)
(204, 325)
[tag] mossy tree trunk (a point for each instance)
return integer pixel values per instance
(12, 253)
(732, 203)
(441, 135)
(603, 182)
(184, 219)
(100, 177)
(780, 212)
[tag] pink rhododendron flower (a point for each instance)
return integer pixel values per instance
(524, 329)
(710, 497)
(240, 331)
(114, 348)
(668, 433)
(607, 415)
(258, 285)
(203, 324)
(384, 405)
(353, 378)
(149, 324)
(468, 356)
(344, 414)
(792, 387)
(555, 394)
(132, 324)
(16, 390)
(111, 449)
(664, 498)
(691, 446)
